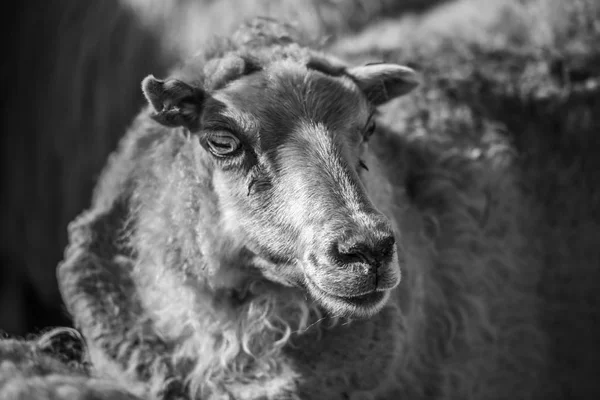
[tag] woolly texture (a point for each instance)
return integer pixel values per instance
(51, 367)
(170, 307)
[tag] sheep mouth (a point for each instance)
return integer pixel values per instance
(359, 307)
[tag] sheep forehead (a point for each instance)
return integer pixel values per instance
(287, 94)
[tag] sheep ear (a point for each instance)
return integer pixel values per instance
(175, 103)
(383, 82)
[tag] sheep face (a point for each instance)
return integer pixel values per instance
(286, 146)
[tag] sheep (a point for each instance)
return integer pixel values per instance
(256, 235)
(84, 64)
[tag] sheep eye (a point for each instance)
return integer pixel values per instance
(369, 130)
(222, 143)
